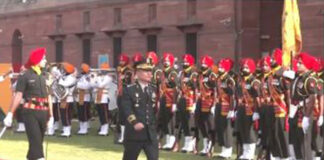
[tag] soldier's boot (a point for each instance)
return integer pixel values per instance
(104, 130)
(167, 141)
(317, 158)
(83, 129)
(80, 127)
(210, 149)
(66, 131)
(21, 128)
(244, 152)
(192, 145)
(251, 151)
(56, 125)
(204, 151)
(291, 151)
(50, 131)
(171, 143)
(41, 159)
(122, 133)
(186, 144)
(226, 152)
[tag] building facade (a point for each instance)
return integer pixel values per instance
(79, 31)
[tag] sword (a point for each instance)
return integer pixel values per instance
(3, 131)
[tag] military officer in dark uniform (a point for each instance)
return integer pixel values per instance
(138, 101)
(37, 107)
(304, 90)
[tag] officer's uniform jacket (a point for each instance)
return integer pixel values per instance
(69, 82)
(83, 89)
(139, 106)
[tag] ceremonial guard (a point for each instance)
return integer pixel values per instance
(247, 111)
(138, 105)
(68, 81)
(100, 88)
(125, 75)
(84, 98)
(168, 91)
(37, 109)
(206, 103)
(187, 103)
(304, 91)
(55, 72)
(224, 114)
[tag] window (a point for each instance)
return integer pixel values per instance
(117, 48)
(117, 16)
(59, 51)
(152, 43)
(191, 44)
(59, 22)
(191, 8)
(86, 19)
(152, 12)
(86, 47)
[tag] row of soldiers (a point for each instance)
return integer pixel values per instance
(265, 104)
(71, 88)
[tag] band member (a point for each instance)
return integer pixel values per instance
(304, 92)
(125, 75)
(138, 102)
(187, 103)
(55, 74)
(83, 88)
(168, 91)
(224, 113)
(100, 85)
(207, 102)
(247, 116)
(68, 81)
(37, 109)
(317, 133)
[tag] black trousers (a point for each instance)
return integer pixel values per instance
(224, 129)
(66, 114)
(166, 118)
(279, 138)
(35, 123)
(245, 126)
(56, 110)
(132, 149)
(18, 114)
(83, 111)
(206, 125)
(266, 125)
(102, 110)
(302, 143)
(317, 139)
(122, 118)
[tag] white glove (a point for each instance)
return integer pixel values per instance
(292, 110)
(230, 114)
(305, 124)
(255, 116)
(50, 123)
(289, 74)
(320, 121)
(193, 108)
(1, 78)
(8, 120)
(174, 108)
(212, 110)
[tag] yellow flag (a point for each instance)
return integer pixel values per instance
(291, 33)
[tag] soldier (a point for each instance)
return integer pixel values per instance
(225, 107)
(55, 74)
(138, 105)
(206, 103)
(276, 95)
(168, 91)
(101, 92)
(187, 103)
(304, 91)
(317, 134)
(68, 81)
(83, 89)
(125, 76)
(37, 108)
(247, 116)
